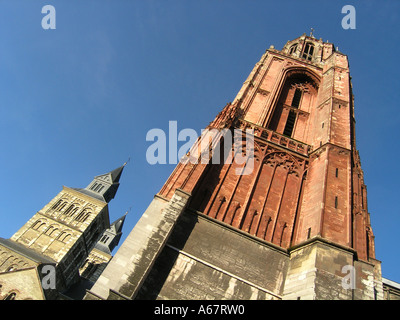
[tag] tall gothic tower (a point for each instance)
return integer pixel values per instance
(295, 226)
(61, 235)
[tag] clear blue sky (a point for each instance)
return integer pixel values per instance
(78, 101)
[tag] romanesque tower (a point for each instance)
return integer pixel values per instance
(101, 254)
(294, 226)
(60, 235)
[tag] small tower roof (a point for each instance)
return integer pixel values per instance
(105, 186)
(111, 236)
(116, 173)
(118, 224)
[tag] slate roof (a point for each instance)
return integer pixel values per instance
(26, 252)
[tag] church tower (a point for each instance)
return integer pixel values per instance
(282, 215)
(101, 255)
(60, 235)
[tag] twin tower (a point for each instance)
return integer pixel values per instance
(296, 226)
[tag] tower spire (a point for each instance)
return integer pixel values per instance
(105, 186)
(129, 159)
(110, 238)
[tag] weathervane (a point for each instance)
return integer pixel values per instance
(311, 33)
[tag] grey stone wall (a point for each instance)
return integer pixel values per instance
(177, 253)
(391, 290)
(131, 264)
(206, 259)
(321, 270)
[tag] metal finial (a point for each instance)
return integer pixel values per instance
(127, 211)
(129, 159)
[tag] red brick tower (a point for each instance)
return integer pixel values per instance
(304, 196)
(307, 178)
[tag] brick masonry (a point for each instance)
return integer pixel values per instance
(204, 258)
(285, 228)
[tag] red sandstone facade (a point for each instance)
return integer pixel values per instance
(289, 222)
(307, 179)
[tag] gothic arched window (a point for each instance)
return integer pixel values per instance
(308, 51)
(291, 119)
(296, 98)
(293, 49)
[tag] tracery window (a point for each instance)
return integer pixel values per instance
(296, 98)
(291, 119)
